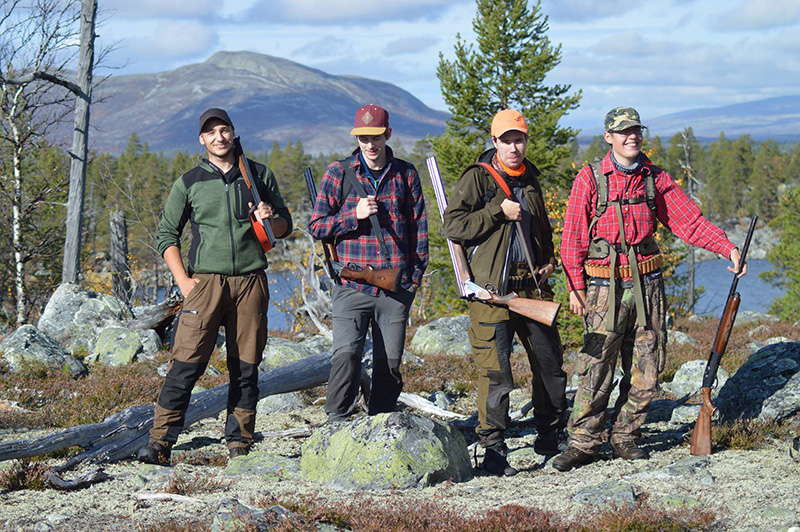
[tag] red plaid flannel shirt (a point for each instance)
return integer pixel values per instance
(401, 213)
(674, 209)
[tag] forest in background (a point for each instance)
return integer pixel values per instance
(738, 177)
(505, 67)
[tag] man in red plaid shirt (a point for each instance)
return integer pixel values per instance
(613, 252)
(393, 195)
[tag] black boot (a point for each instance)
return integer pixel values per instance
(495, 461)
(550, 442)
(155, 453)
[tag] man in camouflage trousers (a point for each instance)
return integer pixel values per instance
(608, 245)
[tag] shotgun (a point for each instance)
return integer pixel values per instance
(700, 444)
(387, 278)
(544, 312)
(262, 229)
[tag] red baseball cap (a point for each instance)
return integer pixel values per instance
(370, 120)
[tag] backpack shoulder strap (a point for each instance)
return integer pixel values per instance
(497, 178)
(347, 179)
(650, 188)
(601, 184)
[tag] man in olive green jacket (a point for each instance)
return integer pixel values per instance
(484, 219)
(225, 285)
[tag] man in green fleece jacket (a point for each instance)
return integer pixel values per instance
(225, 285)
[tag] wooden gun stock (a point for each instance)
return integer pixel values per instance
(545, 312)
(700, 444)
(387, 278)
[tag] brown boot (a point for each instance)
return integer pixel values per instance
(629, 451)
(571, 458)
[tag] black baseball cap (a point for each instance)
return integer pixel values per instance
(214, 112)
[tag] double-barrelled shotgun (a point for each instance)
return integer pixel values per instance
(538, 310)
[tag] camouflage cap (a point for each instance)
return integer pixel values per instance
(621, 118)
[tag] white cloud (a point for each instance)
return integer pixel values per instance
(410, 45)
(142, 9)
(585, 10)
(759, 15)
(350, 12)
(176, 40)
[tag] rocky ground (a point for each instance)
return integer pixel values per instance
(748, 490)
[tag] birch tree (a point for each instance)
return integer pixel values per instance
(35, 38)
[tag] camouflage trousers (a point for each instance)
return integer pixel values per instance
(641, 352)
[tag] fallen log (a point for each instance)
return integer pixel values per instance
(156, 316)
(121, 434)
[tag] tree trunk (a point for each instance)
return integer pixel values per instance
(122, 434)
(120, 271)
(16, 222)
(80, 145)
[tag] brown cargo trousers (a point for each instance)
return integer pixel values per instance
(491, 335)
(239, 303)
(640, 350)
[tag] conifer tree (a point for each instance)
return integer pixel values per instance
(506, 67)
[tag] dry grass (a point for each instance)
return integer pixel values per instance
(23, 475)
(365, 514)
(198, 483)
(747, 434)
(449, 373)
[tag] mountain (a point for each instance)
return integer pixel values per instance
(268, 98)
(772, 118)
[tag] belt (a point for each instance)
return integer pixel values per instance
(623, 272)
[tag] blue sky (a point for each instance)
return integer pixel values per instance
(660, 56)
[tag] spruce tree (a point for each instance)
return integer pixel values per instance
(506, 67)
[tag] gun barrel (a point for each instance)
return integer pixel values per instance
(457, 254)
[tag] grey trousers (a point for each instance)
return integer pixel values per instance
(353, 313)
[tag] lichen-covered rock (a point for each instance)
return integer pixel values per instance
(767, 386)
(282, 402)
(116, 346)
(680, 338)
(396, 450)
(74, 316)
(444, 335)
(265, 465)
(151, 343)
(280, 352)
(29, 344)
(610, 492)
(689, 379)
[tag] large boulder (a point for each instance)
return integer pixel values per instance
(689, 378)
(29, 344)
(116, 346)
(386, 451)
(74, 316)
(280, 352)
(444, 335)
(767, 386)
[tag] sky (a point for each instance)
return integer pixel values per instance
(659, 56)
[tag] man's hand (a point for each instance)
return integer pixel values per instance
(577, 302)
(263, 212)
(545, 272)
(736, 259)
(512, 210)
(366, 207)
(186, 285)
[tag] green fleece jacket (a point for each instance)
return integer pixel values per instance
(216, 206)
(474, 217)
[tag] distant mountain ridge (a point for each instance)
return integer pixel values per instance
(268, 98)
(772, 118)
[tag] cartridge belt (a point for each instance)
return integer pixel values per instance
(623, 272)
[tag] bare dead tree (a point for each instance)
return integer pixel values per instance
(80, 143)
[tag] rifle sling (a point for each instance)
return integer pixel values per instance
(350, 176)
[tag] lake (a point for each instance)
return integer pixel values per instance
(757, 295)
